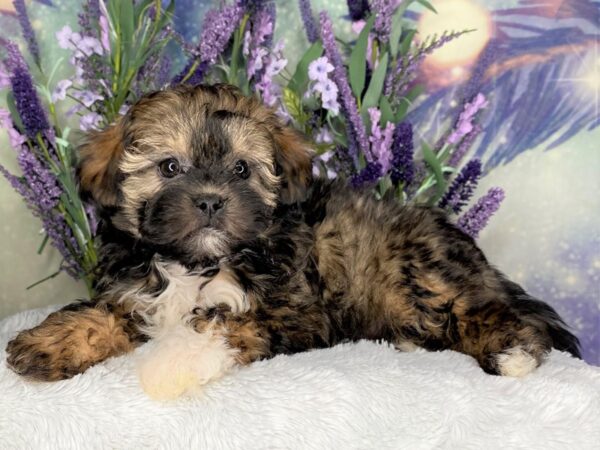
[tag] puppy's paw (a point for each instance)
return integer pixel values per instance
(181, 361)
(66, 344)
(224, 291)
(516, 362)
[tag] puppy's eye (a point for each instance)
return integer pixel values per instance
(241, 169)
(169, 168)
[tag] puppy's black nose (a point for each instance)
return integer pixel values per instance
(210, 204)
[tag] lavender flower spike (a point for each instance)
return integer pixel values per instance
(462, 188)
(310, 27)
(403, 167)
(461, 150)
(383, 11)
(369, 175)
(357, 135)
(476, 218)
(27, 29)
(28, 104)
(464, 125)
(218, 28)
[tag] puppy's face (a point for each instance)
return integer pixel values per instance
(195, 170)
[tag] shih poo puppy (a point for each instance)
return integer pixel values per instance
(219, 249)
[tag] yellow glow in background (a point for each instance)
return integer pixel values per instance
(456, 15)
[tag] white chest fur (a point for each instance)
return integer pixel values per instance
(185, 291)
(178, 359)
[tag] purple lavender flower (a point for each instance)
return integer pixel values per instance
(383, 11)
(381, 141)
(91, 213)
(369, 175)
(90, 121)
(256, 62)
(15, 138)
(312, 34)
(104, 33)
(88, 98)
(398, 79)
(89, 17)
(464, 124)
(40, 180)
(319, 69)
(358, 9)
(327, 89)
(28, 104)
(15, 182)
(275, 66)
(271, 92)
(356, 133)
(271, 13)
(332, 106)
(60, 91)
(461, 150)
(462, 188)
(87, 46)
(27, 30)
(477, 217)
(41, 191)
(323, 136)
(218, 28)
(67, 38)
(262, 28)
(403, 167)
(4, 78)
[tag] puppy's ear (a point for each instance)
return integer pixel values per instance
(294, 157)
(99, 164)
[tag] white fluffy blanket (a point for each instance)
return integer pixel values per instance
(357, 396)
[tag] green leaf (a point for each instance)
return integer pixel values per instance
(436, 167)
(396, 32)
(403, 106)
(428, 5)
(405, 45)
(387, 115)
(293, 103)
(12, 107)
(407, 101)
(373, 93)
(127, 21)
(358, 59)
(415, 92)
(300, 78)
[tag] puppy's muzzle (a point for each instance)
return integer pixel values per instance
(210, 205)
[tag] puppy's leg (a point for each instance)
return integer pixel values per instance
(503, 341)
(69, 341)
(209, 346)
(224, 289)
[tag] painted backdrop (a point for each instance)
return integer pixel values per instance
(538, 61)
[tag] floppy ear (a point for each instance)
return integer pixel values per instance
(294, 157)
(99, 164)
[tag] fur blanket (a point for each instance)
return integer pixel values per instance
(363, 395)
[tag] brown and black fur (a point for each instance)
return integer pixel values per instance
(320, 262)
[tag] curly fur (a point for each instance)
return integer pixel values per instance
(297, 264)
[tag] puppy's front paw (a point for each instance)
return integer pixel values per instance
(181, 361)
(66, 344)
(224, 290)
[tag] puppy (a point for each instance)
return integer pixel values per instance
(219, 248)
